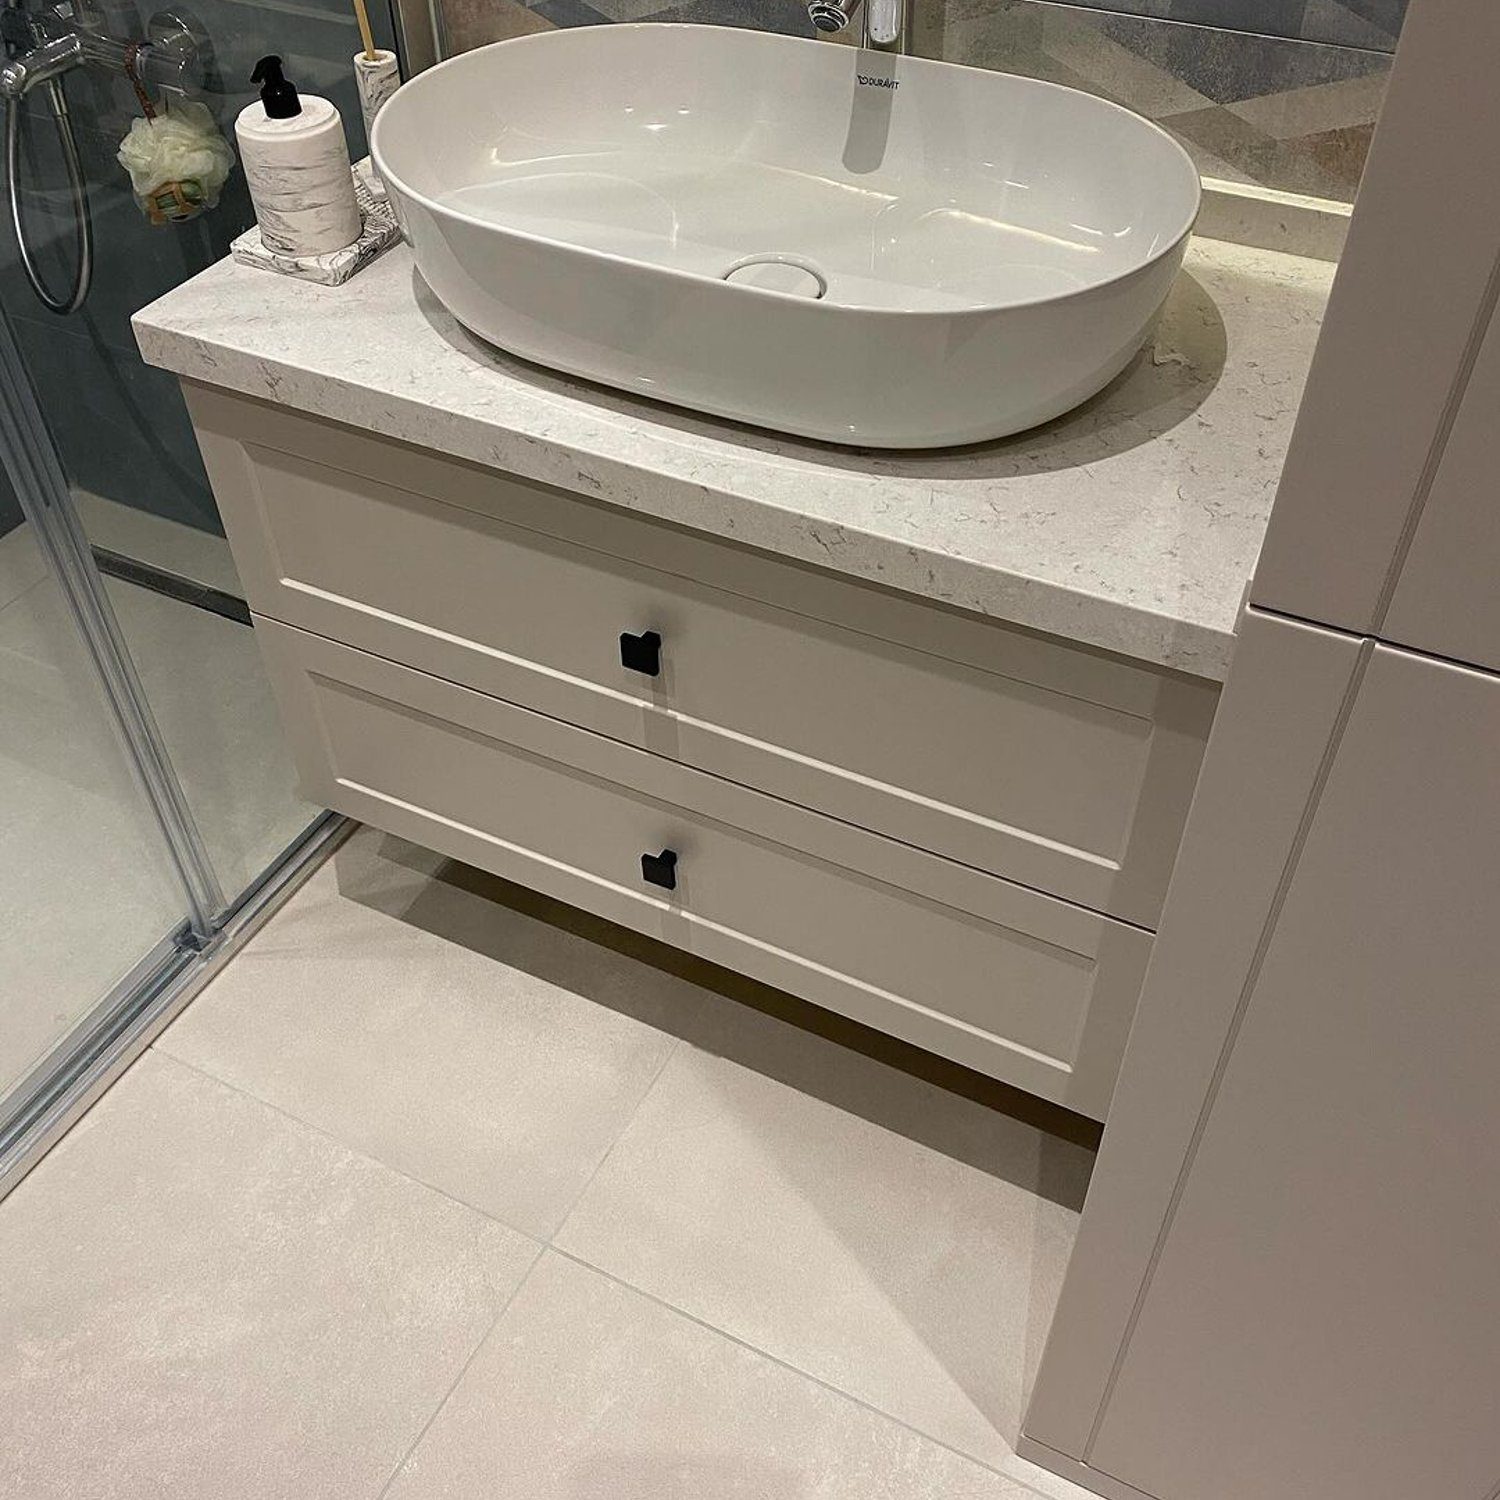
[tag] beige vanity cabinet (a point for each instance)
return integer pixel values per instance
(953, 830)
(1430, 553)
(1286, 1281)
(1319, 1312)
(1447, 597)
(1415, 287)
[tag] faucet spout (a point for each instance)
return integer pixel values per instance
(831, 15)
(885, 24)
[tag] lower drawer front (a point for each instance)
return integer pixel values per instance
(1018, 985)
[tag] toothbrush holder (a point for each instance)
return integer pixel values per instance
(377, 78)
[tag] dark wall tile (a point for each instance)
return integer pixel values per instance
(570, 13)
(120, 427)
(1273, 17)
(1348, 23)
(10, 507)
(1227, 66)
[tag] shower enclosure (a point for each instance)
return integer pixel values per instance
(148, 811)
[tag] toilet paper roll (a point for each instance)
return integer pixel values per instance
(298, 174)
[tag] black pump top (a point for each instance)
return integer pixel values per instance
(277, 92)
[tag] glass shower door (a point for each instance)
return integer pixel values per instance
(87, 892)
(102, 883)
(112, 855)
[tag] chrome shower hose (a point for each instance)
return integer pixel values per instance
(83, 229)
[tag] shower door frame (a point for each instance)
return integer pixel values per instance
(38, 1110)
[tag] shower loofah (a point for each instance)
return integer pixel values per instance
(177, 162)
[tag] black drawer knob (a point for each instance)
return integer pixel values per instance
(661, 869)
(641, 653)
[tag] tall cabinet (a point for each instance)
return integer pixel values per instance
(1287, 1277)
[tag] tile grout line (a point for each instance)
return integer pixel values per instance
(463, 1370)
(28, 591)
(630, 1120)
(328, 1135)
(544, 1240)
(776, 1359)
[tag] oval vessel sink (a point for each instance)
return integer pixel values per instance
(831, 242)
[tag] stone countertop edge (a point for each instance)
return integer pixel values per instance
(1130, 525)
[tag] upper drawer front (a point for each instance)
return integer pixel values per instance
(1049, 765)
(1017, 984)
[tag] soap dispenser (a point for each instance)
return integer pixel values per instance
(296, 165)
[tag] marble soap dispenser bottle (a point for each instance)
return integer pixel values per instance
(296, 165)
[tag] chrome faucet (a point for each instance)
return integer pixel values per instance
(884, 23)
(45, 45)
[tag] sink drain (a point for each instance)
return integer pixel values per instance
(791, 275)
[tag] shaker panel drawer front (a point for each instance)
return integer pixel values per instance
(1056, 767)
(1018, 985)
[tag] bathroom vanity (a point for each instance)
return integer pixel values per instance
(910, 736)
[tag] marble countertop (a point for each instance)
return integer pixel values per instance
(1131, 524)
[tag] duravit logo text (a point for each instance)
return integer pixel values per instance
(878, 83)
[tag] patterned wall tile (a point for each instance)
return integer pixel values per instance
(467, 24)
(628, 10)
(571, 13)
(1355, 23)
(1386, 14)
(1285, 114)
(1250, 106)
(1227, 66)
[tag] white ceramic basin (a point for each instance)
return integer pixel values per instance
(814, 238)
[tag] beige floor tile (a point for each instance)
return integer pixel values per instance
(212, 703)
(21, 563)
(85, 887)
(207, 1301)
(904, 1245)
(586, 1390)
(475, 1048)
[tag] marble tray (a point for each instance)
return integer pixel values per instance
(333, 267)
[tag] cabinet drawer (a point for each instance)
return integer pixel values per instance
(1018, 985)
(1052, 765)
